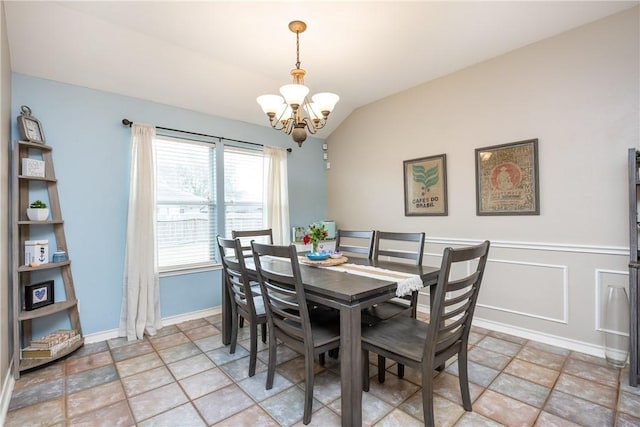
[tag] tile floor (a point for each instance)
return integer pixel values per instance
(184, 376)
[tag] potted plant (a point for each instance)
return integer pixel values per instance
(38, 211)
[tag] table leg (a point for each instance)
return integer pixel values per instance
(351, 365)
(226, 312)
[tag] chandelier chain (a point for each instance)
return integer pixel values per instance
(298, 49)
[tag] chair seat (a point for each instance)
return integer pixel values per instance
(405, 335)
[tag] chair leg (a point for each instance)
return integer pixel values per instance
(463, 377)
(234, 332)
(308, 381)
(271, 369)
(365, 370)
(381, 368)
(264, 332)
(253, 349)
(400, 370)
(242, 322)
(321, 359)
(427, 397)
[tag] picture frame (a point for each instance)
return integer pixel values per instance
(38, 295)
(507, 181)
(425, 186)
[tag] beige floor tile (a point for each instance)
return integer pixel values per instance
(167, 341)
(542, 358)
(505, 410)
(91, 361)
(204, 383)
(43, 414)
(588, 390)
(147, 380)
(589, 371)
(254, 416)
(156, 401)
(532, 372)
(115, 415)
(138, 364)
(94, 398)
(398, 418)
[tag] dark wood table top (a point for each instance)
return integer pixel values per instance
(327, 282)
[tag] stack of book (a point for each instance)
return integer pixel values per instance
(51, 344)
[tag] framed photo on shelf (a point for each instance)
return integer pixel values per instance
(38, 295)
(425, 186)
(507, 179)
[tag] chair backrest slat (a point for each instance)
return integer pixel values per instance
(455, 301)
(415, 239)
(365, 237)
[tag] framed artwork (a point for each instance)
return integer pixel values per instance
(425, 186)
(507, 179)
(38, 295)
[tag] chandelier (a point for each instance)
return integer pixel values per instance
(292, 112)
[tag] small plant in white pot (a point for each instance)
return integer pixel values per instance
(38, 211)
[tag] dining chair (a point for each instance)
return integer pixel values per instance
(246, 236)
(246, 303)
(427, 346)
(352, 236)
(288, 315)
(387, 244)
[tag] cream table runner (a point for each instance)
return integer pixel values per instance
(407, 283)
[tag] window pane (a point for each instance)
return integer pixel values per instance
(243, 178)
(186, 210)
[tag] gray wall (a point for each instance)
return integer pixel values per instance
(578, 93)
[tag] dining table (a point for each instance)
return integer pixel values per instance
(350, 294)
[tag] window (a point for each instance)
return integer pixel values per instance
(243, 188)
(186, 207)
(185, 203)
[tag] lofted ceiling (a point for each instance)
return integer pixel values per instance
(216, 57)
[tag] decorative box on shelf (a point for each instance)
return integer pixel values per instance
(33, 167)
(36, 252)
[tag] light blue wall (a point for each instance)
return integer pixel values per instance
(91, 156)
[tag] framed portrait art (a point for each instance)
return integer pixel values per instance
(425, 186)
(38, 295)
(507, 179)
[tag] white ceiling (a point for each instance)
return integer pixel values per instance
(216, 57)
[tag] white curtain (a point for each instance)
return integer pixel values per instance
(276, 194)
(140, 310)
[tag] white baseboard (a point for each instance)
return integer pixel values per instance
(172, 320)
(562, 342)
(7, 391)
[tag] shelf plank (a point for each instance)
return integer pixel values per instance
(37, 178)
(25, 268)
(46, 311)
(43, 147)
(26, 364)
(47, 222)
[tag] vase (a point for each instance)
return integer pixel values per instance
(616, 326)
(314, 247)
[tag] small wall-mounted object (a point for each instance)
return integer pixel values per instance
(324, 146)
(32, 167)
(325, 156)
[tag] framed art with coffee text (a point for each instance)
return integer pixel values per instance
(38, 295)
(507, 179)
(425, 186)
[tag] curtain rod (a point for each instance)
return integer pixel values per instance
(128, 122)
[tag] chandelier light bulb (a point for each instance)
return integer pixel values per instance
(271, 104)
(294, 94)
(325, 101)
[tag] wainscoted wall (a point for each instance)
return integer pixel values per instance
(553, 293)
(579, 94)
